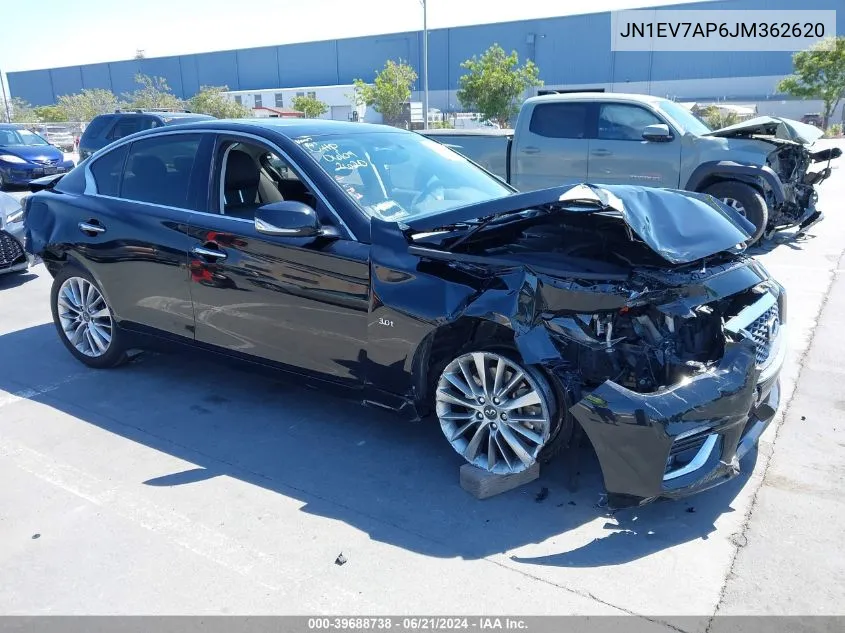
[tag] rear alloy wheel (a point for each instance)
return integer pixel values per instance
(496, 413)
(85, 321)
(745, 200)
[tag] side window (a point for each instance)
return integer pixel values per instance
(128, 125)
(251, 176)
(158, 169)
(624, 122)
(107, 171)
(560, 120)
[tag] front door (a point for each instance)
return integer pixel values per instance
(620, 156)
(133, 232)
(299, 302)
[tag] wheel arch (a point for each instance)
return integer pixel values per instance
(761, 177)
(444, 343)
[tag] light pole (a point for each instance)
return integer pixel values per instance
(425, 65)
(5, 99)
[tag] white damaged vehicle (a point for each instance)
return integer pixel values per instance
(13, 258)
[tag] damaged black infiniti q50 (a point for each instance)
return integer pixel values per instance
(381, 261)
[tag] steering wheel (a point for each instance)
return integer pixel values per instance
(431, 186)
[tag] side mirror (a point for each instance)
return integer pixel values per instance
(287, 219)
(657, 133)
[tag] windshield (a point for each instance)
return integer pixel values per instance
(684, 118)
(401, 176)
(20, 137)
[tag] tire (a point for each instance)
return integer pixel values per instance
(93, 321)
(745, 199)
(472, 415)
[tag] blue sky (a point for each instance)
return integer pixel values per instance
(69, 32)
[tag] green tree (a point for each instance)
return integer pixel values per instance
(22, 111)
(85, 105)
(819, 73)
(154, 93)
(495, 82)
(717, 118)
(390, 90)
(309, 105)
(212, 100)
(51, 114)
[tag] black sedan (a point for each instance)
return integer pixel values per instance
(380, 261)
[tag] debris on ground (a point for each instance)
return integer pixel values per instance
(35, 536)
(542, 495)
(340, 560)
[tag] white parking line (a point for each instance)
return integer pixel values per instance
(10, 397)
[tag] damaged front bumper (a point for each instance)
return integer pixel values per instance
(688, 437)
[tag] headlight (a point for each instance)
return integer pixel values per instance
(15, 216)
(9, 158)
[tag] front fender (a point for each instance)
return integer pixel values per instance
(760, 175)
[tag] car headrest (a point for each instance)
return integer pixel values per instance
(148, 167)
(242, 172)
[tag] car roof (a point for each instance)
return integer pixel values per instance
(290, 128)
(595, 96)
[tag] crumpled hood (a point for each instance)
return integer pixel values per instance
(777, 127)
(680, 226)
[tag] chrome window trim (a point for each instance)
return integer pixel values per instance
(91, 185)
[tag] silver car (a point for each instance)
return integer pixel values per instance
(13, 258)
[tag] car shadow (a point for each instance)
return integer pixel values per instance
(12, 280)
(395, 480)
(791, 240)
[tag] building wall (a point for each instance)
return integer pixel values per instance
(570, 50)
(338, 98)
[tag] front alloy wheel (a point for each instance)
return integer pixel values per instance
(494, 412)
(85, 317)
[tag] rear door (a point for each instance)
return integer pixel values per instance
(132, 231)
(620, 156)
(552, 145)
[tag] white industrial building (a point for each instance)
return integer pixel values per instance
(278, 102)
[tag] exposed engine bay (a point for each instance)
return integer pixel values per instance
(647, 341)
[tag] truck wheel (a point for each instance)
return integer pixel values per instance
(746, 200)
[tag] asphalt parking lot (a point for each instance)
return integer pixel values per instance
(176, 485)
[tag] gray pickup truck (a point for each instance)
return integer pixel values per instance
(760, 167)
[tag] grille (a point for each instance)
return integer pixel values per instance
(10, 250)
(46, 161)
(762, 331)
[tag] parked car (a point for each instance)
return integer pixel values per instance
(24, 155)
(373, 259)
(59, 136)
(106, 128)
(13, 258)
(816, 119)
(759, 166)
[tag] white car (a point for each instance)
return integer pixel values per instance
(13, 257)
(60, 136)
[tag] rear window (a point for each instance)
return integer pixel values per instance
(107, 170)
(560, 120)
(97, 126)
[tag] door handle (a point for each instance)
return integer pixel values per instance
(601, 152)
(92, 228)
(212, 253)
(530, 150)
